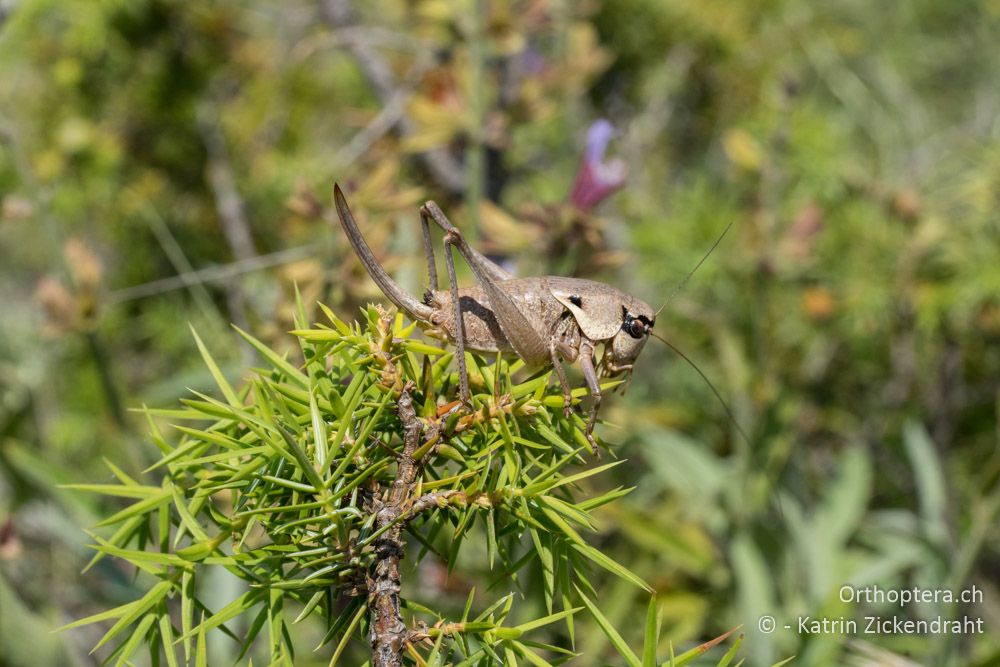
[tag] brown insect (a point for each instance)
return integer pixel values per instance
(542, 320)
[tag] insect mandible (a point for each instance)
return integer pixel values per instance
(542, 320)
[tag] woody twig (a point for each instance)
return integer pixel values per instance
(388, 634)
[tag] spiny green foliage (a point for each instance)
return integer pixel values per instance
(282, 487)
(851, 319)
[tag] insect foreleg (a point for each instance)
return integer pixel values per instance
(561, 374)
(590, 375)
(463, 371)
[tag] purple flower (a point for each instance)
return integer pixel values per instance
(597, 179)
(532, 61)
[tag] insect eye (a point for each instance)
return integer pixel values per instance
(632, 326)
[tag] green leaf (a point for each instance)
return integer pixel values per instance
(308, 608)
(931, 485)
(317, 335)
(243, 603)
(566, 509)
(201, 550)
(559, 522)
(124, 478)
(220, 379)
(301, 458)
(731, 653)
(547, 485)
(609, 631)
(319, 432)
(276, 360)
(214, 437)
(423, 348)
(530, 655)
(137, 609)
(187, 612)
(348, 633)
(598, 557)
(138, 635)
(116, 612)
(192, 525)
(551, 618)
(201, 649)
(651, 636)
(118, 490)
(338, 323)
(542, 547)
(146, 506)
(139, 558)
(700, 650)
(167, 635)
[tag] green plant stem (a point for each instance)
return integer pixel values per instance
(107, 381)
(475, 155)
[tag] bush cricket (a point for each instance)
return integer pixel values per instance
(542, 320)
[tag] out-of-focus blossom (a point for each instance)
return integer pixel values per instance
(84, 264)
(568, 233)
(10, 543)
(819, 304)
(907, 205)
(800, 239)
(597, 178)
(72, 307)
(58, 304)
(16, 208)
(532, 61)
(303, 203)
(988, 319)
(743, 150)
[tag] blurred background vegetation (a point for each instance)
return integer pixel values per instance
(165, 162)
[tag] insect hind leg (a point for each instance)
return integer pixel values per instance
(450, 240)
(428, 248)
(431, 211)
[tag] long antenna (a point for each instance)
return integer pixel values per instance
(697, 266)
(693, 365)
(711, 386)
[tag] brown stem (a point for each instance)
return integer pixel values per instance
(446, 170)
(232, 214)
(388, 632)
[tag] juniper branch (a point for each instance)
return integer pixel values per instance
(388, 632)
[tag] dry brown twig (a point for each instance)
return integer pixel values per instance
(389, 634)
(231, 209)
(445, 169)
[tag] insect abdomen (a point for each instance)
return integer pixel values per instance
(482, 329)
